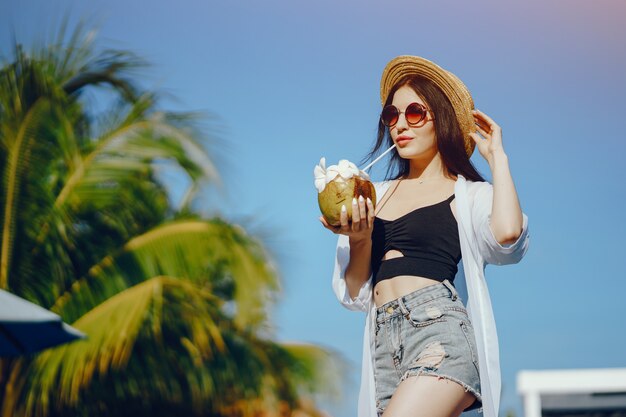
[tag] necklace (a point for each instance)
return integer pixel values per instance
(422, 180)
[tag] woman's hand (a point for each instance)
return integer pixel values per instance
(492, 134)
(362, 223)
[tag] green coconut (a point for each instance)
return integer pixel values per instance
(341, 191)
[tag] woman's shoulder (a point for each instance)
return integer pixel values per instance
(474, 190)
(476, 186)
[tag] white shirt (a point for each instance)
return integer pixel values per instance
(478, 248)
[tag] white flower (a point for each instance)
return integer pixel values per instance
(320, 175)
(345, 169)
(331, 173)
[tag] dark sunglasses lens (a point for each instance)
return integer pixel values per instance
(389, 116)
(415, 113)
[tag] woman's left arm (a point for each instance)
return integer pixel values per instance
(506, 220)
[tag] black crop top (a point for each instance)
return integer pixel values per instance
(428, 237)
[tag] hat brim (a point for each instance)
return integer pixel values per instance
(450, 84)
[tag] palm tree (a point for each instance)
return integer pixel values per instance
(174, 305)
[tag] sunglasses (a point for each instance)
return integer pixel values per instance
(415, 113)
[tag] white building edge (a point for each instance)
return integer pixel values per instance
(573, 392)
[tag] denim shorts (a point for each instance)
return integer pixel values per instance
(426, 332)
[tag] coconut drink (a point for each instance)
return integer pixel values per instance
(337, 185)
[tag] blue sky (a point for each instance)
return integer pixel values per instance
(291, 81)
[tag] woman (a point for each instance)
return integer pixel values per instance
(427, 350)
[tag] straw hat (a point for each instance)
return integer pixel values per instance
(452, 87)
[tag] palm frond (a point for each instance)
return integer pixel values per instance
(129, 149)
(18, 160)
(113, 328)
(165, 340)
(187, 250)
(71, 59)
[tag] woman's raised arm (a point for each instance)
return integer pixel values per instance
(506, 220)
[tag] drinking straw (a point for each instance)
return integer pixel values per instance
(377, 159)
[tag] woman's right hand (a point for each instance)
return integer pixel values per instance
(362, 221)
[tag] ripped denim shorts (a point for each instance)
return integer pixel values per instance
(426, 332)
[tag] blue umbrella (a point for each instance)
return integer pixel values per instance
(25, 327)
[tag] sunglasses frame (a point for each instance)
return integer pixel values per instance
(423, 120)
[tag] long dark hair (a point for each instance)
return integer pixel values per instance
(450, 140)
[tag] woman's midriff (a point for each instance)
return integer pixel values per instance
(394, 288)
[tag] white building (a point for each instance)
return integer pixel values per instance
(573, 392)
